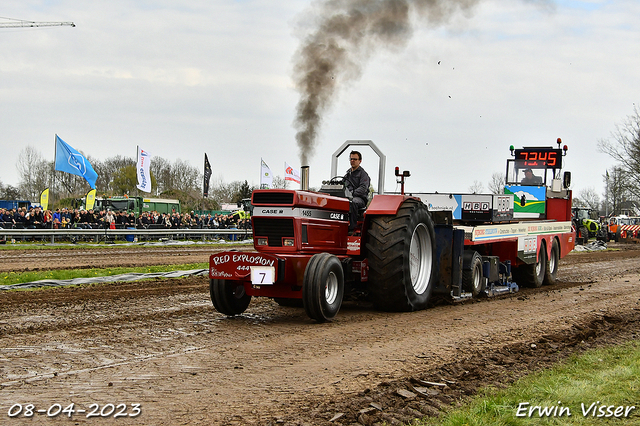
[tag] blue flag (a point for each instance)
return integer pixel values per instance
(71, 161)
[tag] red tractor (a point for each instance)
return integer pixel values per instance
(304, 253)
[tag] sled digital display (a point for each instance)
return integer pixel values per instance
(539, 158)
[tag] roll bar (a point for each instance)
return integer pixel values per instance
(382, 159)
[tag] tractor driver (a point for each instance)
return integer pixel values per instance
(530, 178)
(357, 181)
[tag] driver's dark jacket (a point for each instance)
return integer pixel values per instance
(358, 182)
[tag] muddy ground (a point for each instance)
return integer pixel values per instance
(161, 345)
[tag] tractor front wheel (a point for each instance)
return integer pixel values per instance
(228, 297)
(323, 287)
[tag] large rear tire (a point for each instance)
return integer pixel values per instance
(532, 274)
(228, 297)
(323, 287)
(472, 279)
(584, 235)
(551, 271)
(400, 252)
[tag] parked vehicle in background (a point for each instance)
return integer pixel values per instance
(623, 228)
(137, 205)
(587, 225)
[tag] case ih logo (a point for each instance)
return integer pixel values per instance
(476, 206)
(271, 211)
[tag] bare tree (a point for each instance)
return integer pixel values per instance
(35, 173)
(185, 177)
(161, 169)
(11, 193)
(476, 188)
(589, 198)
(108, 170)
(616, 190)
(279, 182)
(624, 146)
(496, 184)
(220, 191)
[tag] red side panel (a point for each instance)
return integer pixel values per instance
(300, 199)
(323, 201)
(559, 209)
(387, 204)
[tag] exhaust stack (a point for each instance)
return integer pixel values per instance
(304, 179)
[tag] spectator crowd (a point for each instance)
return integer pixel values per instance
(37, 218)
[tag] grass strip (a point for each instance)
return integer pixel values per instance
(598, 386)
(9, 278)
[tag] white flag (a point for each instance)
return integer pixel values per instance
(266, 180)
(144, 177)
(291, 174)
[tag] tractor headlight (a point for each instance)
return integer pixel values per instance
(288, 242)
(263, 242)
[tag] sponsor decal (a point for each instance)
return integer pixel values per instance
(213, 272)
(517, 230)
(476, 206)
(251, 259)
(271, 211)
(353, 244)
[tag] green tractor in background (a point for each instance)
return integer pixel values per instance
(587, 225)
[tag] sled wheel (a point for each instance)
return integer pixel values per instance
(228, 297)
(551, 271)
(400, 252)
(532, 274)
(323, 287)
(472, 278)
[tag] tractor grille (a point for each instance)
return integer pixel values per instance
(272, 228)
(273, 198)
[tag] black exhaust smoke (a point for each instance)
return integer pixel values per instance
(345, 34)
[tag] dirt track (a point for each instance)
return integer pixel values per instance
(160, 344)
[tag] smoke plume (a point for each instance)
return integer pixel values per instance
(346, 33)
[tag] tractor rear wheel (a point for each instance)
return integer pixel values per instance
(228, 297)
(584, 235)
(472, 279)
(401, 257)
(551, 270)
(532, 274)
(323, 287)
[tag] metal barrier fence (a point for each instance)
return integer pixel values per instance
(130, 235)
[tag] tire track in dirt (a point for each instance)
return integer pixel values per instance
(161, 343)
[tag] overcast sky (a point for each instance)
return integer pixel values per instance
(181, 78)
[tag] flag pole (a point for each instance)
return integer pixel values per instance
(203, 185)
(55, 153)
(137, 159)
